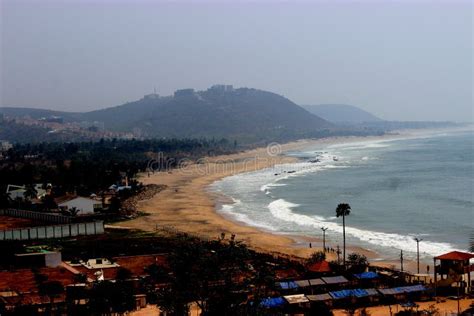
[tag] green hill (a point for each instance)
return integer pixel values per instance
(248, 115)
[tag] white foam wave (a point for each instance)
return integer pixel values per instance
(282, 210)
(268, 186)
(363, 144)
(229, 210)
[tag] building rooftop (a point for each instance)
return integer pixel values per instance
(319, 267)
(23, 280)
(456, 256)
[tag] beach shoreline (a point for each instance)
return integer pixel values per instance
(189, 205)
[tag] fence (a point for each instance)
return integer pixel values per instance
(53, 231)
(39, 216)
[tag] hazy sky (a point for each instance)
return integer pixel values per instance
(397, 59)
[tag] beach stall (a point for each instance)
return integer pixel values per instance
(317, 285)
(370, 275)
(273, 302)
(367, 296)
(307, 285)
(297, 302)
(296, 299)
(335, 282)
(320, 303)
(288, 285)
(303, 284)
(316, 282)
(320, 299)
(367, 279)
(404, 292)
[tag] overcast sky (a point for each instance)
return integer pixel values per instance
(405, 60)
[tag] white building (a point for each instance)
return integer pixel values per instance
(83, 205)
(18, 191)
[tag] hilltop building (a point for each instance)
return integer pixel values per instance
(221, 88)
(151, 96)
(184, 93)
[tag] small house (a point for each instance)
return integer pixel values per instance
(84, 206)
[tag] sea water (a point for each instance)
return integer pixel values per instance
(417, 186)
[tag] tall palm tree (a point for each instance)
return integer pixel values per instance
(343, 209)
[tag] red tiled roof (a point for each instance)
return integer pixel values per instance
(322, 266)
(281, 274)
(19, 280)
(138, 264)
(23, 280)
(456, 256)
(108, 273)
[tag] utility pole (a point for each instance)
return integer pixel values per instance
(324, 237)
(401, 260)
(418, 253)
(338, 251)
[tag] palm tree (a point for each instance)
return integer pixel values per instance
(343, 209)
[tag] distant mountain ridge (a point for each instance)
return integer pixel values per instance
(341, 113)
(245, 114)
(36, 113)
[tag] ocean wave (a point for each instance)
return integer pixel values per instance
(266, 187)
(282, 210)
(286, 171)
(363, 144)
(229, 210)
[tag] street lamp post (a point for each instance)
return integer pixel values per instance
(418, 253)
(324, 237)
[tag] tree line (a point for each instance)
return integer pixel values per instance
(88, 167)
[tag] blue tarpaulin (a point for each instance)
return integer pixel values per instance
(351, 293)
(288, 285)
(414, 288)
(360, 293)
(367, 275)
(341, 294)
(272, 302)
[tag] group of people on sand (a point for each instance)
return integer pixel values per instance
(326, 249)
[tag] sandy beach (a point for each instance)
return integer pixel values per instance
(188, 206)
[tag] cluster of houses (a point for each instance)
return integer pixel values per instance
(80, 204)
(83, 205)
(22, 287)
